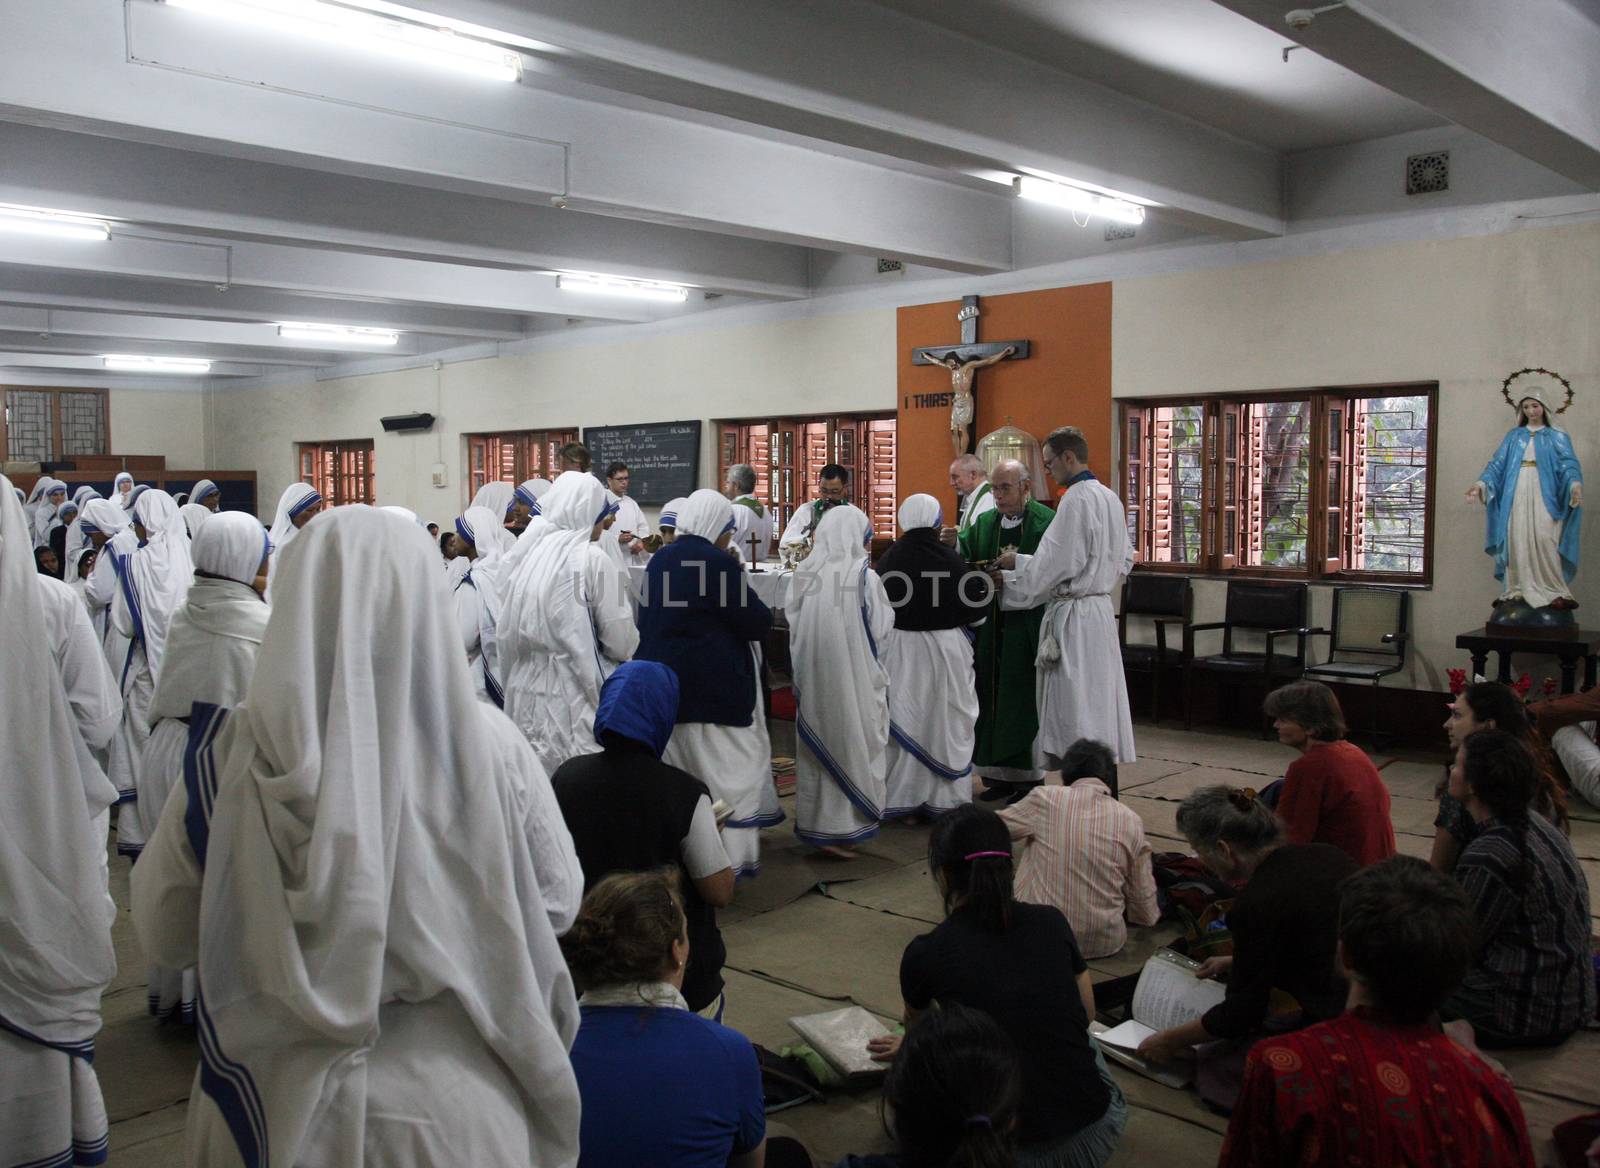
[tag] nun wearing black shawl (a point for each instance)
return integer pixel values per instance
(933, 700)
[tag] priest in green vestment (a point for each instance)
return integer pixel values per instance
(1008, 718)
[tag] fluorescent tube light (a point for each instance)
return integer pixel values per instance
(338, 334)
(128, 363)
(355, 25)
(596, 284)
(1078, 199)
(56, 224)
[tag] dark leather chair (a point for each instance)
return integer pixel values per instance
(1164, 600)
(1275, 611)
(1368, 641)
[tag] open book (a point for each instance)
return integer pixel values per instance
(840, 1037)
(1168, 994)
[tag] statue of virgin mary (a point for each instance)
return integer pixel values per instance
(1533, 487)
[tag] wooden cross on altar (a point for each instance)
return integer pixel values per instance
(754, 540)
(964, 361)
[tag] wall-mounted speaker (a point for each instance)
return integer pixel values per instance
(407, 422)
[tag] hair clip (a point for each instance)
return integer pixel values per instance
(986, 855)
(1242, 798)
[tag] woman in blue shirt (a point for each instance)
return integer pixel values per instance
(660, 1085)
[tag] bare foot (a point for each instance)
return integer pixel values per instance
(838, 853)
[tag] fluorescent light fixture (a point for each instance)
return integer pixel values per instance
(596, 284)
(56, 224)
(1078, 199)
(338, 334)
(128, 363)
(357, 25)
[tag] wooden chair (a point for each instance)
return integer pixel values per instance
(1275, 610)
(1165, 600)
(1368, 640)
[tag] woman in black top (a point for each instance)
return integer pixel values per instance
(1019, 963)
(933, 699)
(1284, 926)
(630, 812)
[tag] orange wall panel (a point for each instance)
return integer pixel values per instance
(1065, 381)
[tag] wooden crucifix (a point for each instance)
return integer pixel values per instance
(754, 541)
(963, 361)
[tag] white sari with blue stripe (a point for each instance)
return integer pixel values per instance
(838, 615)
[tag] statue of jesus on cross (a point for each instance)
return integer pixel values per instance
(963, 361)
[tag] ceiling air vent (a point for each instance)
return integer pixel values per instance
(1120, 231)
(890, 267)
(1427, 173)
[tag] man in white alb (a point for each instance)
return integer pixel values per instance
(750, 515)
(630, 527)
(1083, 554)
(833, 490)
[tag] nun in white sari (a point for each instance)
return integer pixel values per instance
(56, 956)
(353, 862)
(153, 580)
(210, 655)
(838, 619)
(44, 516)
(477, 598)
(103, 522)
(566, 621)
(296, 507)
(496, 498)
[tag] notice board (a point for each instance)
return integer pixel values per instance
(663, 457)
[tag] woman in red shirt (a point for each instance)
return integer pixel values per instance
(1332, 794)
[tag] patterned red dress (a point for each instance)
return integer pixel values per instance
(1356, 1092)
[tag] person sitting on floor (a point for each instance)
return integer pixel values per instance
(1491, 705)
(1381, 1084)
(1015, 962)
(628, 811)
(1569, 723)
(659, 1085)
(1086, 853)
(1532, 977)
(1332, 794)
(953, 1095)
(1284, 928)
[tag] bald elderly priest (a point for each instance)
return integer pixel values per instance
(1008, 641)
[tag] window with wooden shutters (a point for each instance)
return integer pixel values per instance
(514, 457)
(788, 455)
(54, 425)
(1308, 484)
(341, 471)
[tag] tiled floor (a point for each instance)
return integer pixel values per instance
(810, 934)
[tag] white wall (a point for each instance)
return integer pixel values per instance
(1464, 313)
(165, 422)
(843, 362)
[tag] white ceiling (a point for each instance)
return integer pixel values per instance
(755, 150)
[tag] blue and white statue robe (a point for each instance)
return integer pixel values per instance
(1533, 532)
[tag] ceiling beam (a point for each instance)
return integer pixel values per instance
(13, 341)
(49, 322)
(308, 271)
(177, 77)
(193, 192)
(132, 295)
(866, 77)
(12, 361)
(1525, 75)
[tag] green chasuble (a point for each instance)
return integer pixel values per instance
(1008, 719)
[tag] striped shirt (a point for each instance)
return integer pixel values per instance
(1534, 961)
(1087, 856)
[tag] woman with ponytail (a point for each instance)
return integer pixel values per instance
(1020, 964)
(1532, 980)
(952, 1096)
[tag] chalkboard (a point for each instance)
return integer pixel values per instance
(663, 457)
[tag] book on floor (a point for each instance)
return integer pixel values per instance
(1168, 994)
(840, 1037)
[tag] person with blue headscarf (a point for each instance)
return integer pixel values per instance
(1533, 488)
(699, 616)
(628, 811)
